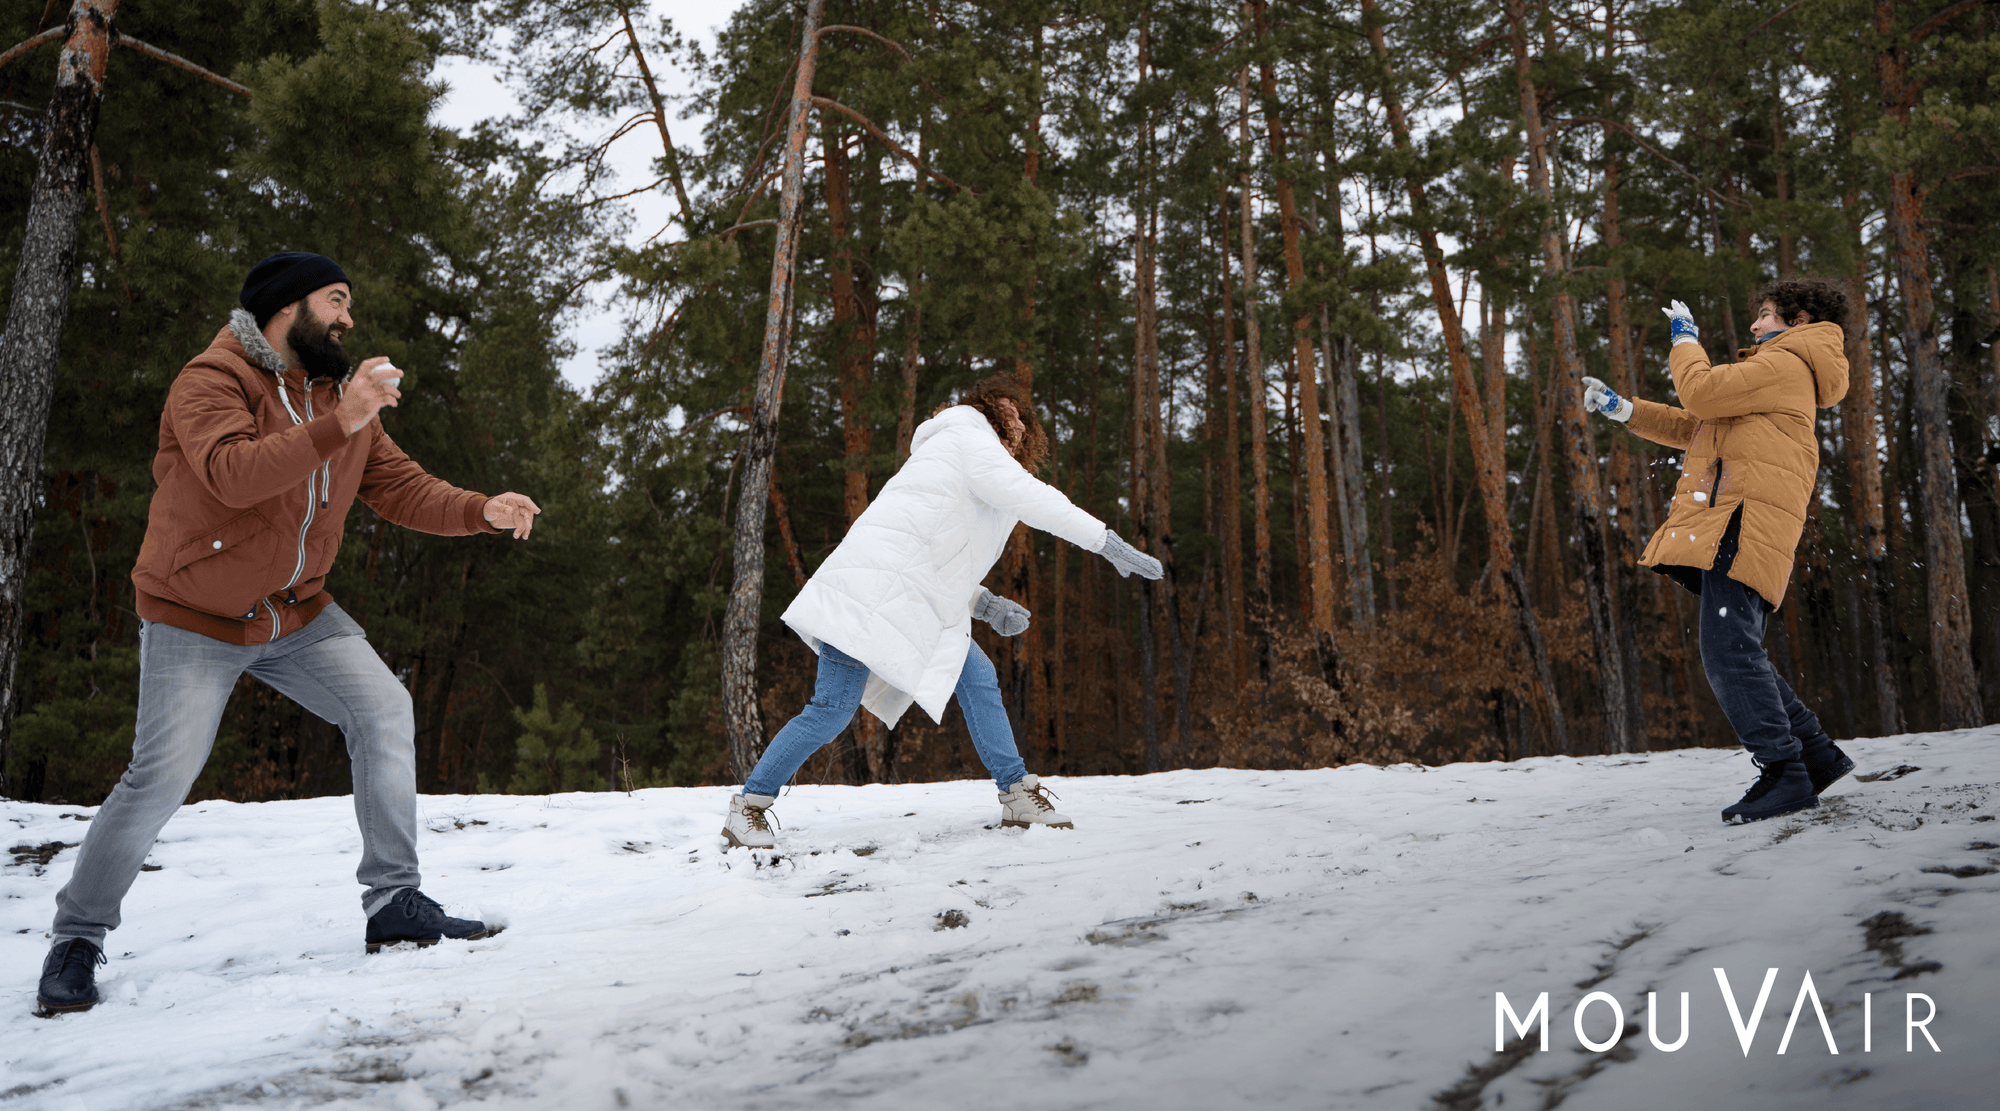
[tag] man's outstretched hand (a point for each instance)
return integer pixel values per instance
(512, 511)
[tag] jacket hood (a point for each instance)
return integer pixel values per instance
(255, 347)
(955, 417)
(1823, 347)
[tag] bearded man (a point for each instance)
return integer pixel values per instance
(264, 444)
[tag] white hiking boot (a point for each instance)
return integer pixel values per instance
(1027, 804)
(747, 826)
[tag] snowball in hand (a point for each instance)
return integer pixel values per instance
(393, 383)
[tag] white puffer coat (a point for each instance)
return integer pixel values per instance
(897, 594)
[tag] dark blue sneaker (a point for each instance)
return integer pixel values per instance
(1824, 761)
(69, 977)
(415, 917)
(1782, 786)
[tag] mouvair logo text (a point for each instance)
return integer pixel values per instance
(1919, 1011)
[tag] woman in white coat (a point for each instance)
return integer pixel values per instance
(890, 611)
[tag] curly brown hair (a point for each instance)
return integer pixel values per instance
(1822, 299)
(985, 394)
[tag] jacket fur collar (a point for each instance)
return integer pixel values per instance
(244, 327)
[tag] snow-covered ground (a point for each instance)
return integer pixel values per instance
(1202, 939)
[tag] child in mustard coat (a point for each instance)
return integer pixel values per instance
(1746, 484)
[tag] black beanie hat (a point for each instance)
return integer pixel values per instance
(284, 278)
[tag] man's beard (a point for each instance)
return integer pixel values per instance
(312, 340)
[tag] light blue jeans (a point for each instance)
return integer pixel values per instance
(837, 694)
(184, 682)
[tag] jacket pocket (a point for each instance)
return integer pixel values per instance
(951, 552)
(223, 571)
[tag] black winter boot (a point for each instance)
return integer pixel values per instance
(1824, 761)
(1782, 786)
(415, 917)
(69, 977)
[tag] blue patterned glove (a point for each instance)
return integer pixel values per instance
(1599, 398)
(1680, 323)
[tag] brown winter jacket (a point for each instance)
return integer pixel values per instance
(255, 480)
(1749, 433)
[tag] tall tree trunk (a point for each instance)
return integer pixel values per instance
(1061, 622)
(1865, 477)
(1168, 587)
(742, 723)
(33, 337)
(1020, 571)
(906, 410)
(1725, 301)
(1493, 357)
(1448, 521)
(1545, 562)
(1339, 354)
(1031, 165)
(1142, 507)
(1977, 473)
(1232, 473)
(1959, 704)
(1318, 547)
(1787, 264)
(1627, 464)
(1586, 494)
(1254, 386)
(1341, 357)
(853, 333)
(1347, 363)
(1386, 472)
(1301, 550)
(1992, 414)
(853, 330)
(1144, 504)
(1489, 459)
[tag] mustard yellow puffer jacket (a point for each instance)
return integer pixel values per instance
(1748, 428)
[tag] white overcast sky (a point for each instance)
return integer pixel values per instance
(477, 93)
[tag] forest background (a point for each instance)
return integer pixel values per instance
(1305, 292)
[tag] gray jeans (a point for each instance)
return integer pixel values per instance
(184, 682)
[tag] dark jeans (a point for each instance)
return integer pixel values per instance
(1767, 715)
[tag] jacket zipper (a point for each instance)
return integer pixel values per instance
(275, 623)
(311, 494)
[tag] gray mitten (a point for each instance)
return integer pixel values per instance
(1008, 618)
(1128, 559)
